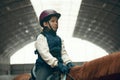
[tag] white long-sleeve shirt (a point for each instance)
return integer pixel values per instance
(42, 46)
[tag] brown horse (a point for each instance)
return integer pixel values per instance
(104, 68)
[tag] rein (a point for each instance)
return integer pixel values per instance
(71, 78)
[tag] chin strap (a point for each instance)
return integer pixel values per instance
(50, 26)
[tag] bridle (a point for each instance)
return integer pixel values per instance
(71, 78)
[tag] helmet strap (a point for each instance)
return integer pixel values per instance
(50, 26)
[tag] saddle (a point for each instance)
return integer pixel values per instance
(54, 76)
(57, 76)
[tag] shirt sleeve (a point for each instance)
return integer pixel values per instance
(65, 56)
(42, 46)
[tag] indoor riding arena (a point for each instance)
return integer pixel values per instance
(96, 21)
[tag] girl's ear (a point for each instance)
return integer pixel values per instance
(45, 24)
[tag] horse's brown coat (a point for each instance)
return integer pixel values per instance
(99, 69)
(95, 69)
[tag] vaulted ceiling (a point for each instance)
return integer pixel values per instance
(98, 21)
(18, 25)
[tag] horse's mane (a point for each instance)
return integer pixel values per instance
(97, 68)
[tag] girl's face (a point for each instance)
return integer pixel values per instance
(52, 23)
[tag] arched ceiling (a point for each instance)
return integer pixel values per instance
(98, 21)
(18, 25)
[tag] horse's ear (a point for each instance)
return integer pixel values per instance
(75, 68)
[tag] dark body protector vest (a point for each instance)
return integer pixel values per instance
(54, 44)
